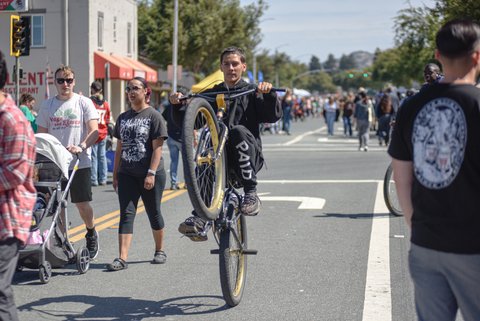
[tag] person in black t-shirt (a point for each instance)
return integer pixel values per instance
(436, 162)
(138, 170)
(244, 145)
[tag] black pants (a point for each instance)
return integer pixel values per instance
(8, 263)
(130, 189)
(244, 156)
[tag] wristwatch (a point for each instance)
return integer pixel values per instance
(81, 146)
(152, 172)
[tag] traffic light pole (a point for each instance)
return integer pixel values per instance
(17, 80)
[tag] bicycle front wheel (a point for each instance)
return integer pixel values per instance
(204, 172)
(233, 262)
(390, 193)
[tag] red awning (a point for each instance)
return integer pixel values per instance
(122, 67)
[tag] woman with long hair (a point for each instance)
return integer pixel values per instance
(139, 169)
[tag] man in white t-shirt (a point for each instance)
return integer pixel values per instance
(73, 120)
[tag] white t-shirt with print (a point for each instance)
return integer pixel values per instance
(67, 121)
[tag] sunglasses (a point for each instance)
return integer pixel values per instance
(60, 81)
(134, 88)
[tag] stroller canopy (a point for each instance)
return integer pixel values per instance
(50, 147)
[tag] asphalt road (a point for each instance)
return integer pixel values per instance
(327, 248)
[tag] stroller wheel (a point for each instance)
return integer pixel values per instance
(45, 272)
(83, 260)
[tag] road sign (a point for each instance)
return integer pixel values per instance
(14, 5)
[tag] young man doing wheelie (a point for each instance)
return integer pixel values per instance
(244, 146)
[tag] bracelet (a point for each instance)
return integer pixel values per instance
(152, 172)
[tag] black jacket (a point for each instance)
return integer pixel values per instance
(251, 110)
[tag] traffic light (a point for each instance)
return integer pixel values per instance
(19, 36)
(365, 74)
(350, 75)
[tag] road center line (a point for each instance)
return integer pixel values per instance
(378, 291)
(320, 181)
(112, 218)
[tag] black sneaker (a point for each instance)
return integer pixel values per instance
(92, 244)
(250, 205)
(159, 257)
(192, 228)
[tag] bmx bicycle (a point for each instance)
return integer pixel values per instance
(390, 193)
(212, 186)
(389, 188)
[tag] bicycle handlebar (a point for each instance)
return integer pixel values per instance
(229, 95)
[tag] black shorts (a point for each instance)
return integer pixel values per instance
(81, 188)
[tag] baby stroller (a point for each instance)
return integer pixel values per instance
(48, 245)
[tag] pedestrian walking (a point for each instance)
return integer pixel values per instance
(99, 158)
(362, 115)
(17, 192)
(436, 165)
(139, 170)
(287, 107)
(330, 114)
(27, 103)
(73, 120)
(174, 143)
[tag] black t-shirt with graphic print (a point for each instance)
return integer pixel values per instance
(438, 130)
(136, 132)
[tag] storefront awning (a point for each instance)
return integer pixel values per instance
(122, 67)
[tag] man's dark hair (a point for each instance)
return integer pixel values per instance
(362, 95)
(233, 50)
(433, 67)
(3, 70)
(96, 86)
(458, 38)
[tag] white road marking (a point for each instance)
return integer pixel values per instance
(300, 137)
(320, 181)
(306, 203)
(378, 292)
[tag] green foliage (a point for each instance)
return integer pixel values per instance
(331, 63)
(205, 27)
(314, 63)
(346, 62)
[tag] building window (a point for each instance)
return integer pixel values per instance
(129, 38)
(37, 31)
(114, 29)
(100, 30)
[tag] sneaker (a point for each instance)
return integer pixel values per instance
(92, 244)
(250, 205)
(174, 187)
(159, 257)
(192, 228)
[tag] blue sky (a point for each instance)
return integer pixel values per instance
(301, 28)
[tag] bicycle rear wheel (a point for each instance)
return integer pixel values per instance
(390, 193)
(233, 262)
(204, 175)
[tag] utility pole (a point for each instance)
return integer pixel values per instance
(175, 46)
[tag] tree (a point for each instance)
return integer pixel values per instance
(314, 63)
(331, 63)
(205, 27)
(451, 9)
(347, 62)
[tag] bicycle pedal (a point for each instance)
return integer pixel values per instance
(249, 252)
(215, 251)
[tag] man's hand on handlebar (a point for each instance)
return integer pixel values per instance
(175, 98)
(264, 87)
